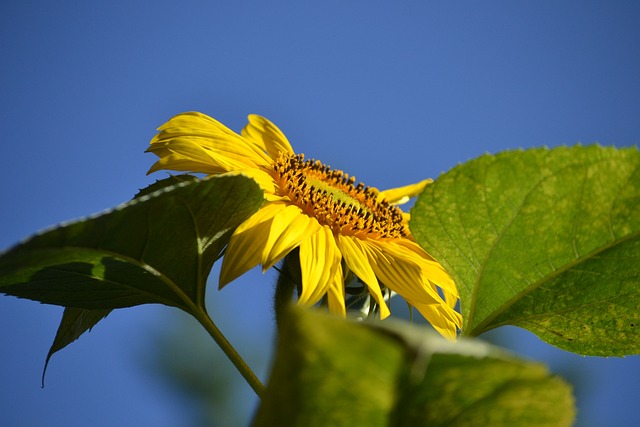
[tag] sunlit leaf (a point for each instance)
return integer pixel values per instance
(545, 239)
(334, 372)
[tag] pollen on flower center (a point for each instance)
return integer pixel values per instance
(331, 197)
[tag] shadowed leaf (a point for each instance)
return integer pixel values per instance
(158, 248)
(75, 322)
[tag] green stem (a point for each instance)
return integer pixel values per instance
(231, 352)
(288, 279)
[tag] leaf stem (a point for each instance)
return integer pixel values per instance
(230, 352)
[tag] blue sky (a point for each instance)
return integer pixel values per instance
(392, 92)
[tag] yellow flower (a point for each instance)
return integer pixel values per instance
(338, 225)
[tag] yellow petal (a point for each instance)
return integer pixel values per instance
(445, 321)
(319, 260)
(356, 256)
(192, 123)
(450, 299)
(226, 152)
(432, 269)
(400, 195)
(247, 243)
(190, 148)
(397, 270)
(336, 294)
(197, 136)
(197, 125)
(177, 162)
(401, 274)
(267, 136)
(288, 228)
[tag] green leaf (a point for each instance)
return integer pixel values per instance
(334, 372)
(545, 239)
(164, 183)
(158, 248)
(75, 322)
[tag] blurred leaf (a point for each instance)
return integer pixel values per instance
(470, 383)
(187, 360)
(158, 248)
(328, 372)
(545, 239)
(334, 372)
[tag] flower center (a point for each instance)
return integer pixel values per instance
(331, 197)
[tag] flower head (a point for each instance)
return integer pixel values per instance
(339, 226)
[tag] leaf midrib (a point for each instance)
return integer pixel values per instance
(480, 328)
(499, 237)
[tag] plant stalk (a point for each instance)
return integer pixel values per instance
(231, 353)
(288, 279)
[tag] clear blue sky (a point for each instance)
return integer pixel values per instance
(392, 92)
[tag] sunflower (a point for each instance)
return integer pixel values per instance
(341, 229)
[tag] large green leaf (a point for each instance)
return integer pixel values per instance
(335, 372)
(545, 239)
(158, 248)
(77, 321)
